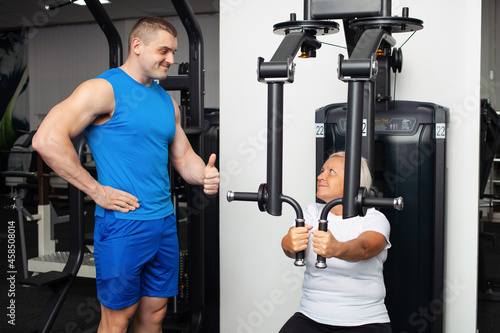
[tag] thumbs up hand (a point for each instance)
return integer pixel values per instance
(212, 177)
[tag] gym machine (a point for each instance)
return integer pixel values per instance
(405, 143)
(69, 263)
(200, 265)
(362, 67)
(202, 255)
(489, 140)
(368, 27)
(48, 259)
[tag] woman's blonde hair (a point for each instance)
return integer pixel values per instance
(365, 179)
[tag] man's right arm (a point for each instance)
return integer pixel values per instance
(92, 99)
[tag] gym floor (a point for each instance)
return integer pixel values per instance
(488, 318)
(81, 309)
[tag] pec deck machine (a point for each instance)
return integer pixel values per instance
(403, 141)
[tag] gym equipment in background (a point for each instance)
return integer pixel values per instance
(489, 140)
(410, 160)
(59, 274)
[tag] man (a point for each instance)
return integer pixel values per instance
(133, 129)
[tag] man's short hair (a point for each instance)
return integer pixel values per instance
(145, 29)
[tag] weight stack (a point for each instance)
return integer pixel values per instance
(410, 161)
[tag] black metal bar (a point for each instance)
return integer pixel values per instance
(300, 257)
(396, 203)
(320, 260)
(368, 136)
(275, 147)
(112, 35)
(307, 10)
(355, 68)
(274, 69)
(242, 196)
(323, 226)
(357, 103)
(369, 43)
(176, 82)
(292, 202)
(195, 197)
(328, 207)
(196, 69)
(291, 45)
(77, 225)
(33, 174)
(386, 8)
(77, 232)
(352, 167)
(20, 215)
(299, 222)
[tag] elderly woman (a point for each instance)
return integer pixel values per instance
(347, 296)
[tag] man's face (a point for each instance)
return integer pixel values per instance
(158, 55)
(331, 180)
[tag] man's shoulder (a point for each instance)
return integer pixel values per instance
(110, 73)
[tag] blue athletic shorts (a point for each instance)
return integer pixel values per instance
(134, 259)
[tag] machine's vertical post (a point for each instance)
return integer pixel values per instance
(45, 244)
(274, 147)
(307, 10)
(387, 8)
(368, 129)
(352, 165)
(195, 109)
(114, 40)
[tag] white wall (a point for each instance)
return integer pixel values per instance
(441, 65)
(490, 56)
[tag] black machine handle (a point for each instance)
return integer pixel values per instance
(396, 203)
(300, 257)
(261, 198)
(362, 201)
(241, 196)
(321, 261)
(323, 226)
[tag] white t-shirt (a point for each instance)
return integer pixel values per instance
(346, 293)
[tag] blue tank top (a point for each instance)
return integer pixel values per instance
(131, 149)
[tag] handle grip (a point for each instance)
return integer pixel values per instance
(241, 196)
(300, 256)
(396, 203)
(321, 261)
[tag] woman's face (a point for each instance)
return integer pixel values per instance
(331, 179)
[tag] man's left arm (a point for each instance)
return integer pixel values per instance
(188, 164)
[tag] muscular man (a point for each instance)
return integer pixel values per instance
(133, 129)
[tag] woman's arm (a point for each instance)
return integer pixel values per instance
(367, 245)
